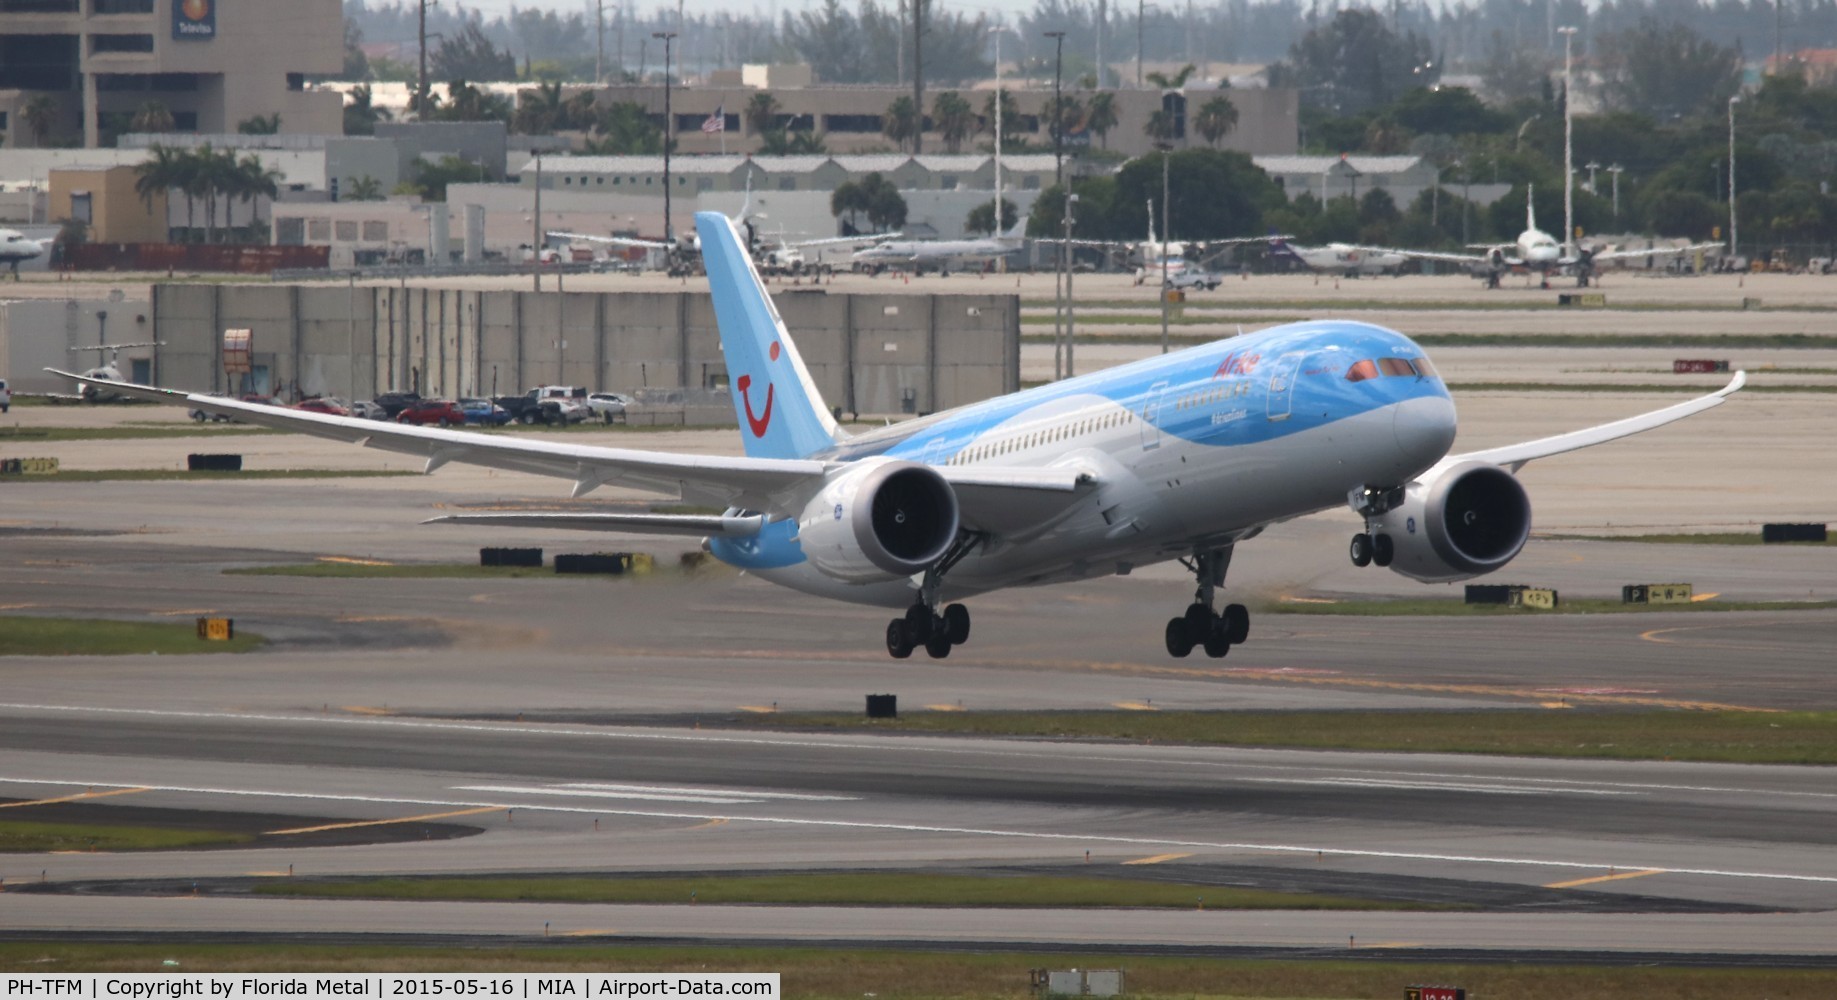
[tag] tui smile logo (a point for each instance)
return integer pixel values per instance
(759, 423)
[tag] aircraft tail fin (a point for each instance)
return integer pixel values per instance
(1530, 207)
(761, 358)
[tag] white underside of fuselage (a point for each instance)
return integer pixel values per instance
(1163, 497)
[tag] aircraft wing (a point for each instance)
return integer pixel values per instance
(771, 485)
(617, 241)
(1516, 455)
(834, 241)
(1655, 252)
(1441, 255)
(995, 500)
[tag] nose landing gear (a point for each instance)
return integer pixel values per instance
(1200, 626)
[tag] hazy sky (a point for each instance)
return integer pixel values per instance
(492, 8)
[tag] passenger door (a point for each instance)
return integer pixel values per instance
(1282, 385)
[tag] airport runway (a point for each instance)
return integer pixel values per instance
(523, 712)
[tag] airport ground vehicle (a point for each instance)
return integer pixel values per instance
(440, 412)
(393, 403)
(608, 406)
(1189, 279)
(368, 410)
(6, 397)
(324, 404)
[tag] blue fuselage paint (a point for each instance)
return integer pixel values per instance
(1194, 447)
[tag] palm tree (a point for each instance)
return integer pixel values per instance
(365, 188)
(39, 114)
(153, 116)
(361, 116)
(1160, 126)
(1175, 82)
(902, 121)
(214, 173)
(260, 125)
(1216, 118)
(955, 119)
(1063, 115)
(1100, 116)
(761, 113)
(539, 111)
(158, 175)
(1010, 114)
(251, 179)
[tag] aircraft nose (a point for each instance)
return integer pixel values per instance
(1424, 427)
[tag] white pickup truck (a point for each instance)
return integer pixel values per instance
(570, 401)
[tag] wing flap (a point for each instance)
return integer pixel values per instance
(1013, 502)
(1515, 456)
(771, 485)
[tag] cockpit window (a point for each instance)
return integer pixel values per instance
(1370, 368)
(1425, 369)
(1396, 366)
(1362, 370)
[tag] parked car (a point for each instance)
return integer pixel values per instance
(608, 406)
(324, 404)
(484, 412)
(1190, 278)
(554, 404)
(393, 403)
(442, 412)
(6, 396)
(369, 410)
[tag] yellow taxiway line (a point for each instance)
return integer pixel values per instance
(1605, 878)
(383, 822)
(1157, 859)
(80, 796)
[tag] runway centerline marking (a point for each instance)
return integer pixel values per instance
(79, 797)
(1606, 878)
(380, 822)
(1157, 859)
(959, 831)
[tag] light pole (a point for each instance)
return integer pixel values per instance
(669, 122)
(1616, 170)
(1058, 173)
(1734, 244)
(1591, 166)
(997, 31)
(1166, 237)
(1568, 33)
(1141, 11)
(1070, 336)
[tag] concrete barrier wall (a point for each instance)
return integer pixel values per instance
(877, 354)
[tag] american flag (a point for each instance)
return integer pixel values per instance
(716, 122)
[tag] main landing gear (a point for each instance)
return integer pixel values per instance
(1201, 626)
(1373, 547)
(922, 624)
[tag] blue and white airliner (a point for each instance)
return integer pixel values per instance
(1177, 457)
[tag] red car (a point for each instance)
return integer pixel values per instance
(319, 405)
(443, 412)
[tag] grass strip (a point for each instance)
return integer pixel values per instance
(846, 889)
(185, 475)
(27, 837)
(1447, 607)
(1724, 737)
(26, 635)
(1691, 538)
(811, 973)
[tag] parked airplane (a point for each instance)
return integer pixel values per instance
(15, 248)
(92, 384)
(1337, 258)
(1176, 457)
(1155, 258)
(1533, 251)
(920, 255)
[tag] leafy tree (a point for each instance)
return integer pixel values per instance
(1355, 62)
(1175, 82)
(356, 64)
(467, 103)
(1447, 111)
(1216, 118)
(360, 114)
(431, 179)
(869, 44)
(543, 110)
(1666, 70)
(901, 121)
(982, 217)
(1514, 72)
(260, 124)
(624, 129)
(153, 116)
(1010, 115)
(955, 119)
(1063, 115)
(469, 55)
(873, 196)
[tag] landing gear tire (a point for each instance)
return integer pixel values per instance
(938, 646)
(1237, 623)
(918, 624)
(1218, 640)
(1361, 550)
(1179, 638)
(1382, 550)
(899, 640)
(957, 624)
(1198, 620)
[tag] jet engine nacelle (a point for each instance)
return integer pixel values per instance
(1471, 519)
(879, 520)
